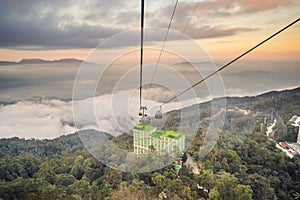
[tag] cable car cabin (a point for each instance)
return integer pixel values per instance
(158, 115)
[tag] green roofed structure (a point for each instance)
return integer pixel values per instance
(147, 139)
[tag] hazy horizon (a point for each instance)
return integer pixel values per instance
(244, 78)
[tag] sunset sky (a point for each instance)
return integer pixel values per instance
(53, 29)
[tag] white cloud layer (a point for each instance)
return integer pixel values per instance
(51, 118)
(36, 119)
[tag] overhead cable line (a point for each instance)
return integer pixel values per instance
(234, 60)
(142, 51)
(164, 43)
(190, 18)
(184, 29)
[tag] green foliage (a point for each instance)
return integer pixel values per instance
(227, 187)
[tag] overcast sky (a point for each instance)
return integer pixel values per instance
(53, 29)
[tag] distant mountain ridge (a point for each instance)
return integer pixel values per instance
(208, 63)
(41, 61)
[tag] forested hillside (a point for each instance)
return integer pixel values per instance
(243, 165)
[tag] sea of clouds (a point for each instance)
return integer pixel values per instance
(45, 117)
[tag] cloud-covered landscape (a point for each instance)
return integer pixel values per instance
(41, 106)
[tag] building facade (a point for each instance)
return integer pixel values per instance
(147, 139)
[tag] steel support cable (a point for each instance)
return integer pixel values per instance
(142, 51)
(164, 43)
(190, 18)
(234, 60)
(184, 29)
